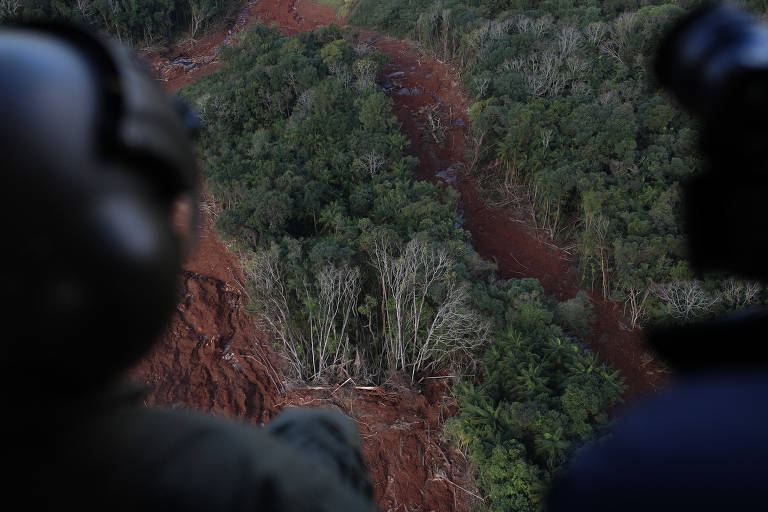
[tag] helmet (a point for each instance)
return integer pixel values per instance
(94, 158)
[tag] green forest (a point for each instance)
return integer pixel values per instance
(361, 271)
(141, 23)
(573, 131)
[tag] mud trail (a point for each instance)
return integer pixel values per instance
(216, 358)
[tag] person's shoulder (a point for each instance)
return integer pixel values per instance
(699, 445)
(181, 460)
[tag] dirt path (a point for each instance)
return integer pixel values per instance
(216, 358)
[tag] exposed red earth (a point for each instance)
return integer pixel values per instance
(215, 358)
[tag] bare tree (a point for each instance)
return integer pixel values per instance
(623, 26)
(371, 162)
(290, 78)
(568, 40)
(481, 85)
(341, 71)
(271, 296)
(198, 16)
(546, 137)
(314, 351)
(541, 25)
(363, 47)
(684, 299)
(523, 23)
(304, 102)
(738, 293)
(498, 29)
(612, 49)
(576, 66)
(542, 75)
(333, 303)
(9, 8)
(446, 24)
(595, 32)
(618, 36)
(512, 64)
(85, 8)
(636, 299)
(478, 39)
(435, 124)
(596, 230)
(419, 334)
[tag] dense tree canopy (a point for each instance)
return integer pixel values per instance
(574, 129)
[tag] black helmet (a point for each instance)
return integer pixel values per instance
(94, 156)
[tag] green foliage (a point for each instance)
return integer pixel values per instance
(575, 314)
(139, 22)
(307, 160)
(572, 123)
(540, 397)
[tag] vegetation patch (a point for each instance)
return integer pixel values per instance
(574, 132)
(540, 396)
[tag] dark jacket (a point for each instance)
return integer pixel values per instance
(112, 454)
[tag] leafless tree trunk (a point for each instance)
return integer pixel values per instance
(546, 137)
(371, 162)
(271, 298)
(539, 26)
(419, 335)
(85, 8)
(568, 40)
(198, 15)
(433, 119)
(739, 294)
(446, 22)
(636, 301)
(684, 299)
(9, 8)
(618, 36)
(498, 29)
(341, 71)
(481, 85)
(334, 303)
(595, 32)
(596, 226)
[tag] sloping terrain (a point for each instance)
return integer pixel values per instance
(216, 358)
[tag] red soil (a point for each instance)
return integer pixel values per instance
(216, 358)
(213, 357)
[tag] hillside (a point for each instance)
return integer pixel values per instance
(426, 473)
